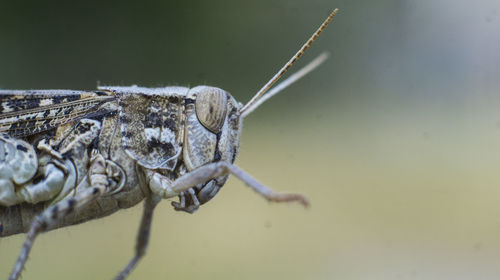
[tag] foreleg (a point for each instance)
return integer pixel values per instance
(162, 185)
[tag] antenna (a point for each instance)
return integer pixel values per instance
(292, 60)
(290, 80)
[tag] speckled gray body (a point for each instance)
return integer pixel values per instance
(138, 129)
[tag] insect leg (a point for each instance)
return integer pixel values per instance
(142, 236)
(214, 170)
(54, 214)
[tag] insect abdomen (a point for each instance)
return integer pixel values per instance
(18, 218)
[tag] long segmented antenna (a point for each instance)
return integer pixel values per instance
(292, 60)
(290, 80)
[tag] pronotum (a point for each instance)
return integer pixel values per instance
(71, 156)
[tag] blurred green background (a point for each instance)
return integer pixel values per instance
(395, 139)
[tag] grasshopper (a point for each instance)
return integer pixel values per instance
(71, 156)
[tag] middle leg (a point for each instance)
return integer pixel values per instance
(142, 236)
(53, 215)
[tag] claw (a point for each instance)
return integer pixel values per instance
(193, 197)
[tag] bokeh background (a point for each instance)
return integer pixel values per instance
(395, 139)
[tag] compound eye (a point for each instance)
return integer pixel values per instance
(211, 108)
